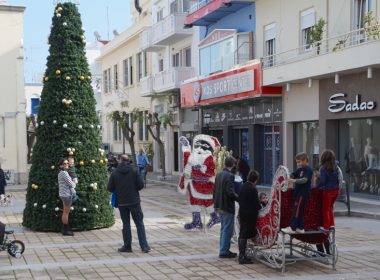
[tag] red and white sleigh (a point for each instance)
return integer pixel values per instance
(276, 248)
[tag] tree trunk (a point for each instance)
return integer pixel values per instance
(157, 138)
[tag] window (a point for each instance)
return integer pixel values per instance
(128, 71)
(361, 8)
(160, 15)
(117, 134)
(35, 102)
(187, 58)
(307, 22)
(175, 6)
(161, 65)
(115, 76)
(307, 140)
(270, 43)
(358, 154)
(145, 64)
(140, 65)
(217, 57)
(176, 60)
(107, 80)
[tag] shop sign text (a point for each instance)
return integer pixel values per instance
(338, 104)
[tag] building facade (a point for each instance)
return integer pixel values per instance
(123, 66)
(171, 47)
(330, 84)
(232, 103)
(13, 148)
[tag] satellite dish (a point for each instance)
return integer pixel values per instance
(97, 35)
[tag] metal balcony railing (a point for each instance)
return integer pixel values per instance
(197, 5)
(326, 46)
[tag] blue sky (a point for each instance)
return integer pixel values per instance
(37, 21)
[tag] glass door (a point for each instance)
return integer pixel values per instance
(271, 152)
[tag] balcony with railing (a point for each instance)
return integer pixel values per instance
(146, 43)
(146, 86)
(353, 50)
(170, 30)
(172, 78)
(206, 12)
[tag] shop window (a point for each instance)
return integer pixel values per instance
(307, 22)
(307, 140)
(359, 154)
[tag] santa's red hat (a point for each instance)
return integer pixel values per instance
(213, 141)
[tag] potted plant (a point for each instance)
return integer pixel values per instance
(316, 34)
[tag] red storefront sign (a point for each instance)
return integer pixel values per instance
(239, 83)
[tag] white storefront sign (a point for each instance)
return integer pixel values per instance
(232, 84)
(339, 104)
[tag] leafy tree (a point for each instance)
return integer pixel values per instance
(127, 127)
(154, 123)
(67, 126)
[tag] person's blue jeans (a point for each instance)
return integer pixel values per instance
(226, 231)
(138, 218)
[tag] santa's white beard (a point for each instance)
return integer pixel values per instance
(198, 158)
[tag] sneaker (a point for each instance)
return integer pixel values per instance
(288, 230)
(124, 249)
(229, 255)
(298, 230)
(68, 233)
(146, 249)
(325, 231)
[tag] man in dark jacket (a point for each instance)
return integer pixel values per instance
(126, 182)
(224, 197)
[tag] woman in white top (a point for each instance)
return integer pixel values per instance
(66, 193)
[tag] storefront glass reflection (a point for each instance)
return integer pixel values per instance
(359, 149)
(307, 140)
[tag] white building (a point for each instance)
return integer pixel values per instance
(173, 57)
(13, 150)
(331, 86)
(123, 66)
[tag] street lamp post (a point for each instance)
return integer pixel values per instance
(206, 121)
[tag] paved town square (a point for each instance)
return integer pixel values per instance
(176, 253)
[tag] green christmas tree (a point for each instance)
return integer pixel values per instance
(67, 126)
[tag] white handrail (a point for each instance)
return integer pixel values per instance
(329, 45)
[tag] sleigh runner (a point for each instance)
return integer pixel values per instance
(275, 248)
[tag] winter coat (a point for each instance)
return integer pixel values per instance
(224, 192)
(65, 184)
(126, 183)
(3, 183)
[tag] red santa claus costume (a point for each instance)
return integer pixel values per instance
(199, 176)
